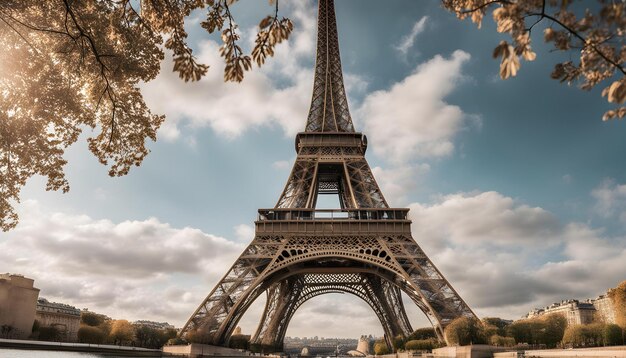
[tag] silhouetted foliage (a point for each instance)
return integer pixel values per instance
(49, 333)
(398, 342)
(592, 335)
(553, 330)
(148, 337)
(422, 344)
(91, 318)
(497, 340)
(90, 334)
(497, 322)
(465, 330)
(239, 341)
(618, 297)
(7, 331)
(422, 334)
(380, 348)
(122, 332)
(176, 341)
(546, 330)
(36, 326)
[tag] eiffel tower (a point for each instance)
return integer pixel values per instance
(364, 248)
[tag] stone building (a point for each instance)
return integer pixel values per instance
(600, 309)
(574, 311)
(63, 317)
(18, 299)
(605, 310)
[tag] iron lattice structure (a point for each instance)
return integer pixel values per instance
(364, 248)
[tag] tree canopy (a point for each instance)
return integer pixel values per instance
(67, 66)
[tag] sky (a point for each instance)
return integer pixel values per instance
(516, 188)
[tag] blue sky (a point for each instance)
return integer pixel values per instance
(516, 188)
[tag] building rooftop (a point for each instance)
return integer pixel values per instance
(43, 305)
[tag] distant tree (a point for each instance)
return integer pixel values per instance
(49, 333)
(553, 329)
(612, 335)
(90, 334)
(7, 331)
(91, 318)
(618, 298)
(465, 330)
(497, 322)
(171, 333)
(497, 340)
(198, 335)
(420, 345)
(398, 342)
(575, 336)
(122, 332)
(239, 341)
(36, 326)
(380, 348)
(546, 330)
(593, 335)
(489, 330)
(106, 328)
(423, 333)
(176, 341)
(148, 337)
(520, 331)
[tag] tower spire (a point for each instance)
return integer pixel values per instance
(329, 106)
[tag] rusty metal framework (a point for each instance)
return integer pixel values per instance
(363, 248)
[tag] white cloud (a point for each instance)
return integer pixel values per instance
(281, 164)
(567, 179)
(397, 182)
(504, 257)
(411, 119)
(407, 41)
(610, 199)
(483, 218)
(127, 270)
(497, 253)
(244, 233)
(278, 94)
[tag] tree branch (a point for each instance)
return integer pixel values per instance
(487, 4)
(103, 68)
(543, 15)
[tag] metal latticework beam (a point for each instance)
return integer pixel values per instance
(329, 106)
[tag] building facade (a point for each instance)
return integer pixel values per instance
(18, 300)
(63, 317)
(605, 309)
(600, 309)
